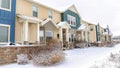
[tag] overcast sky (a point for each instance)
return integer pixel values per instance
(106, 12)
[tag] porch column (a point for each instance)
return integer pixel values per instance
(67, 35)
(60, 33)
(25, 26)
(82, 35)
(38, 32)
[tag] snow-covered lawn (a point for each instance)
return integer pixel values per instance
(77, 58)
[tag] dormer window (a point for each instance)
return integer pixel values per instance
(5, 4)
(71, 20)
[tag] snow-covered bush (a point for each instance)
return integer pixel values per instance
(112, 62)
(48, 55)
(81, 44)
(22, 59)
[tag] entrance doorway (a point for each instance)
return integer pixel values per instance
(64, 37)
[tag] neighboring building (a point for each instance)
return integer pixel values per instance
(92, 33)
(72, 18)
(7, 20)
(84, 31)
(116, 39)
(107, 34)
(37, 23)
(102, 39)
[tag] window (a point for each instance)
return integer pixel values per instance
(5, 4)
(58, 35)
(35, 10)
(50, 13)
(4, 33)
(49, 35)
(71, 20)
(74, 21)
(91, 27)
(41, 36)
(105, 30)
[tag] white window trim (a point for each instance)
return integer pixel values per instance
(5, 8)
(37, 9)
(50, 13)
(4, 25)
(71, 19)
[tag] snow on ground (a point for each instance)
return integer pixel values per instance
(77, 58)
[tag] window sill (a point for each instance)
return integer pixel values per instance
(73, 25)
(5, 9)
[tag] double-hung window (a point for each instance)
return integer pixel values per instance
(4, 33)
(35, 10)
(41, 36)
(5, 4)
(71, 20)
(50, 14)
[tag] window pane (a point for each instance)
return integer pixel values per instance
(3, 34)
(35, 14)
(41, 36)
(0, 2)
(74, 20)
(5, 4)
(35, 8)
(68, 19)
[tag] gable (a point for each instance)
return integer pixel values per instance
(73, 9)
(69, 12)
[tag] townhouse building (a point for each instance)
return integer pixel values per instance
(84, 31)
(103, 34)
(35, 22)
(39, 23)
(107, 34)
(7, 21)
(94, 33)
(72, 18)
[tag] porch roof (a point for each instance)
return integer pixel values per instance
(59, 25)
(107, 33)
(30, 19)
(82, 27)
(47, 21)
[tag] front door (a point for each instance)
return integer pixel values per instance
(64, 37)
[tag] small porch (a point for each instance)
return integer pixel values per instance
(48, 31)
(27, 30)
(64, 34)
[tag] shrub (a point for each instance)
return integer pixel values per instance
(22, 59)
(48, 55)
(80, 44)
(112, 62)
